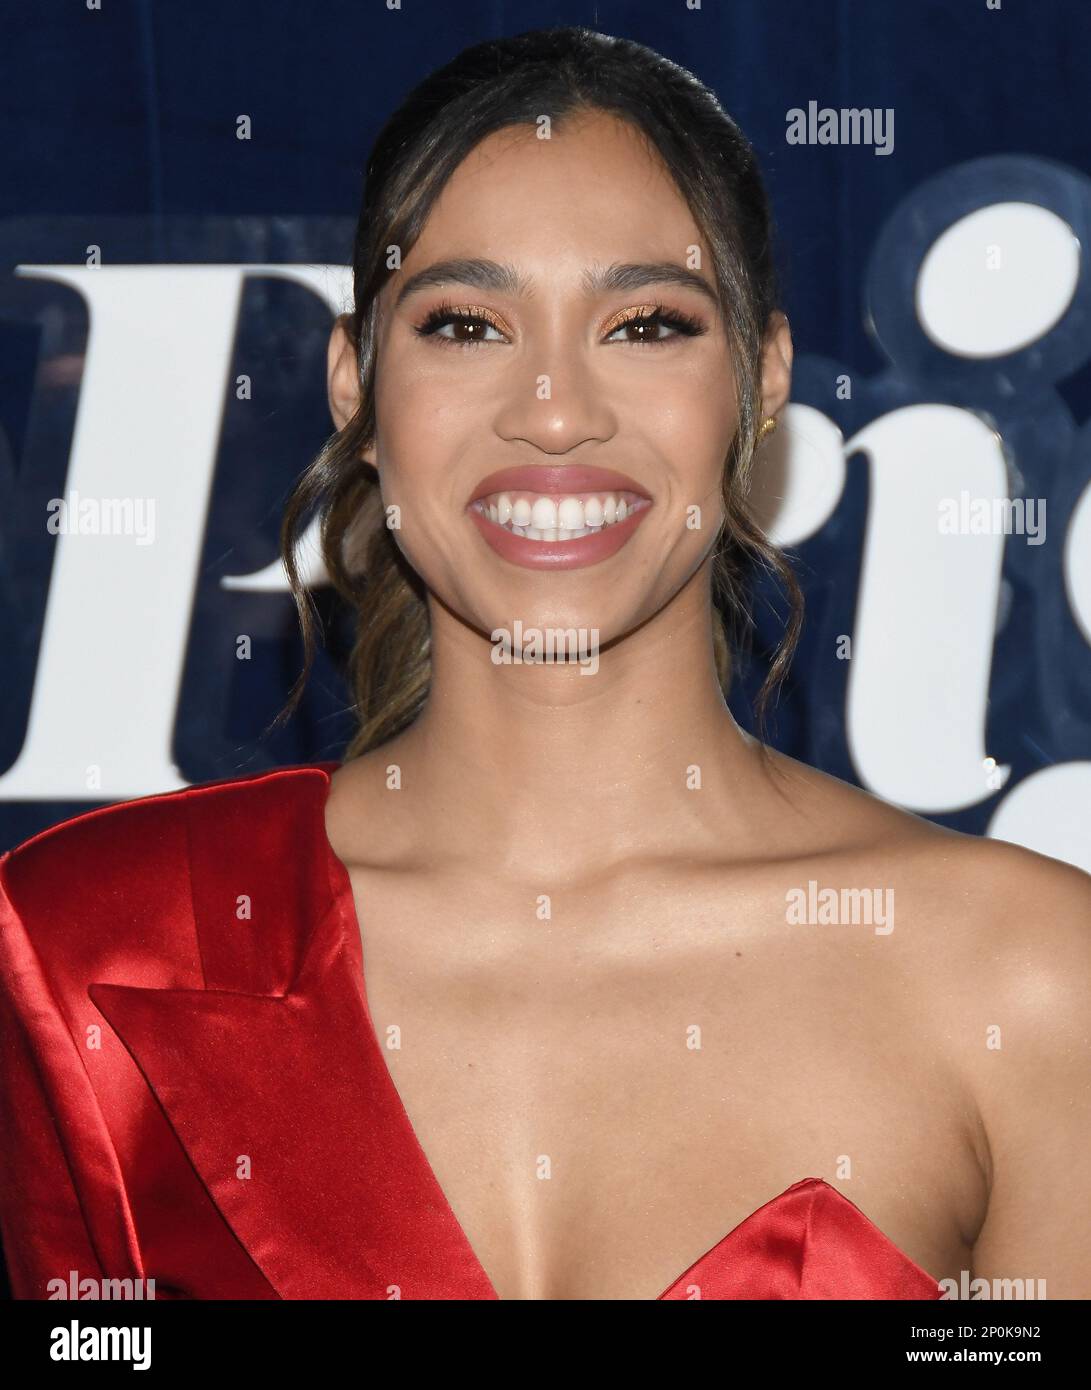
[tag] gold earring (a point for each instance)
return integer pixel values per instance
(768, 425)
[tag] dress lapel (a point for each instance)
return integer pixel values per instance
(270, 1072)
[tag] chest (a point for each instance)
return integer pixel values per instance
(606, 1081)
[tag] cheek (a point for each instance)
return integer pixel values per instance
(692, 435)
(421, 532)
(691, 396)
(416, 454)
(413, 437)
(427, 421)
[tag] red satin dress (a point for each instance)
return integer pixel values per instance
(196, 1096)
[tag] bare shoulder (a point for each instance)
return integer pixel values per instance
(994, 941)
(966, 886)
(990, 932)
(1017, 924)
(1017, 976)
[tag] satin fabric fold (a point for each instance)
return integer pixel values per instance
(191, 1089)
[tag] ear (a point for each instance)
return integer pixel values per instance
(342, 377)
(776, 364)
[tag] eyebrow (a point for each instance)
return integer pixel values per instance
(483, 274)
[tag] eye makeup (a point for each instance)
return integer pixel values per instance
(646, 318)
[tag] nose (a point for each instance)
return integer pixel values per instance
(561, 408)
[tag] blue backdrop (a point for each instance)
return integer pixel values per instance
(121, 129)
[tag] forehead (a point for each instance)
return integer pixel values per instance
(595, 190)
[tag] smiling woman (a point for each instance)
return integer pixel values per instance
(540, 1000)
(645, 242)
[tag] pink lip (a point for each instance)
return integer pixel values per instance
(559, 480)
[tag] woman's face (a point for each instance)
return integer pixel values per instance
(479, 374)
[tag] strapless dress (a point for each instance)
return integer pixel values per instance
(195, 1093)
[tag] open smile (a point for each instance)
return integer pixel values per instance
(558, 518)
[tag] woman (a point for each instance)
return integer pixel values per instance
(651, 1012)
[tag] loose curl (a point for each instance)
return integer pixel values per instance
(561, 73)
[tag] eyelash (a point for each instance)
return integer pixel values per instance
(684, 325)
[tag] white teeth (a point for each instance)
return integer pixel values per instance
(570, 514)
(544, 513)
(542, 516)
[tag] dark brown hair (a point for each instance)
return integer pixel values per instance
(561, 73)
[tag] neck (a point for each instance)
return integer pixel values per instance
(563, 773)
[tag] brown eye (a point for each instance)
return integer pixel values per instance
(468, 330)
(645, 329)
